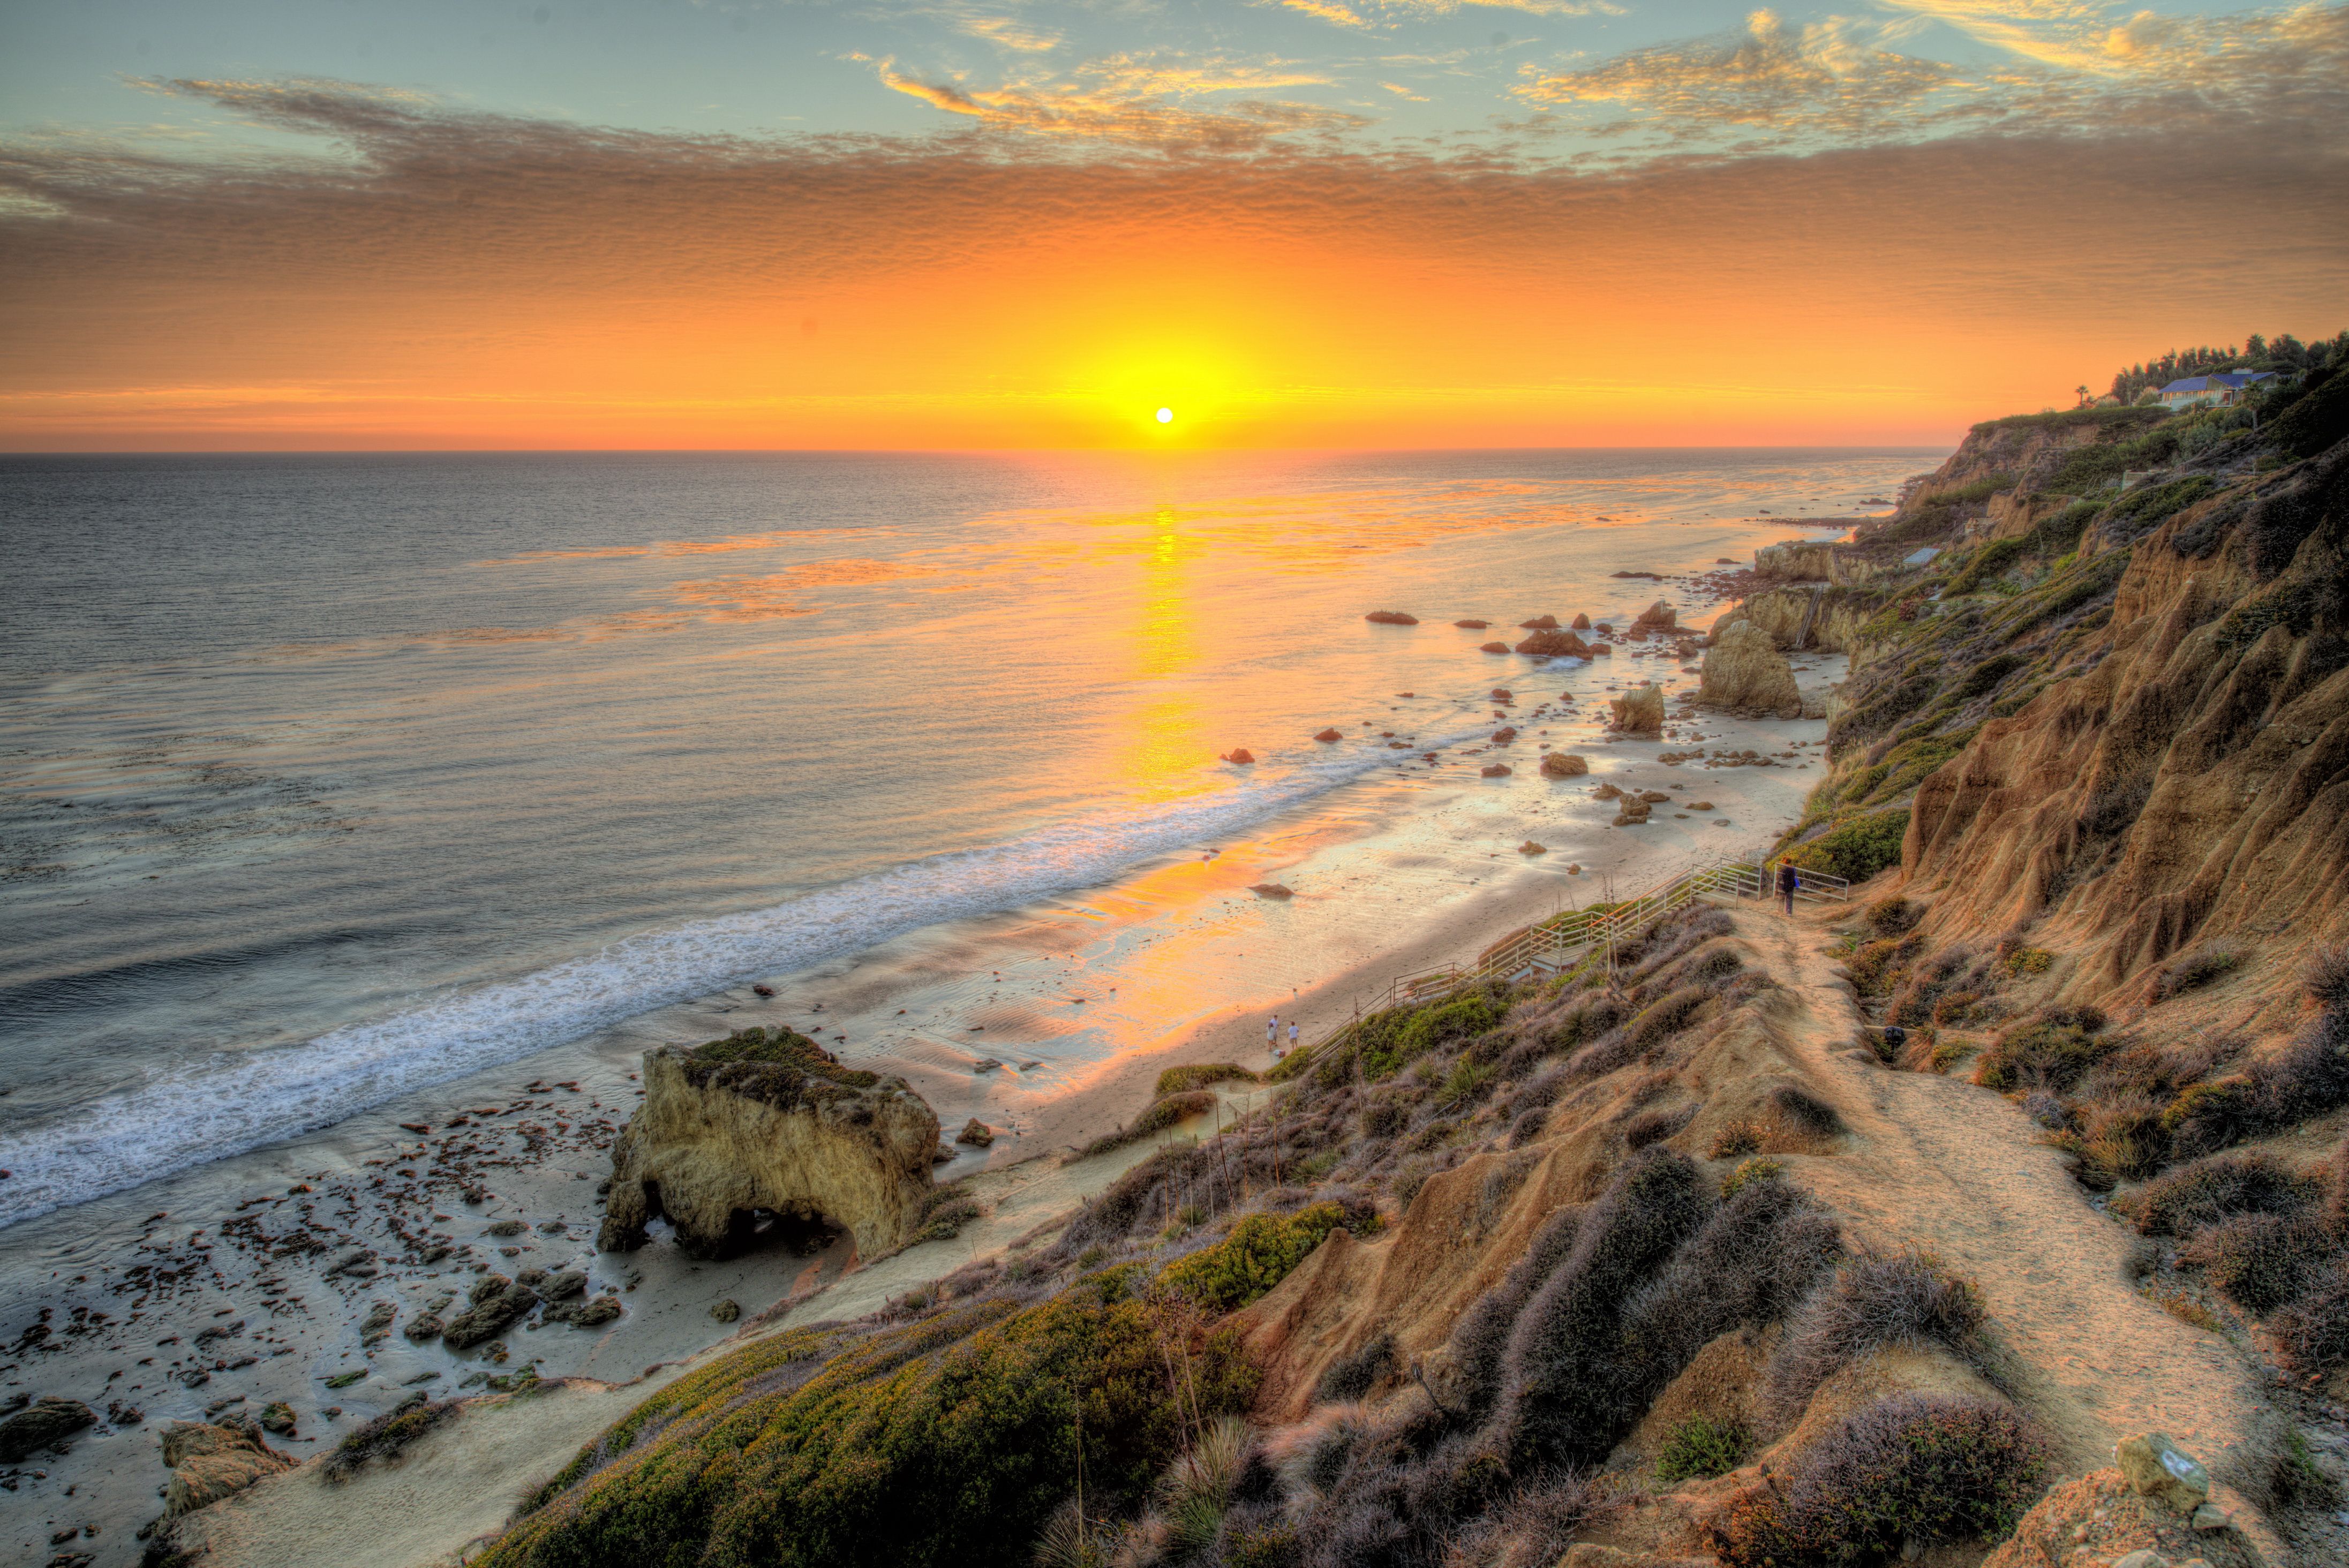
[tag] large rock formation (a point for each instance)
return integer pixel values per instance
(1745, 671)
(768, 1121)
(1640, 712)
(1555, 645)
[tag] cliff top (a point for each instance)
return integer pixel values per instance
(780, 1067)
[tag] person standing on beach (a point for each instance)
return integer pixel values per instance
(1788, 883)
(1272, 1031)
(1292, 1033)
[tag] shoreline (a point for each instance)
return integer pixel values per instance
(283, 1258)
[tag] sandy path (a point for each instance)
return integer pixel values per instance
(1958, 1169)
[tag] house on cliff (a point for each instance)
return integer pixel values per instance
(2223, 386)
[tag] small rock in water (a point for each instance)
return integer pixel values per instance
(1494, 771)
(1465, 627)
(1327, 735)
(1493, 648)
(976, 1133)
(1272, 890)
(763, 990)
(1392, 618)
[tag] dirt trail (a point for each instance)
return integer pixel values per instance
(1959, 1169)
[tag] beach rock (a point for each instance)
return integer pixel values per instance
(558, 1285)
(1640, 712)
(1580, 623)
(1240, 754)
(1700, 805)
(769, 1120)
(1657, 617)
(1502, 735)
(1650, 576)
(1564, 765)
(1574, 869)
(763, 990)
(1493, 648)
(494, 1301)
(2099, 1520)
(376, 1324)
(1392, 618)
(46, 1422)
(1601, 651)
(1273, 891)
(1654, 797)
(1472, 625)
(726, 1311)
(1744, 670)
(588, 1313)
(1328, 736)
(1540, 624)
(278, 1418)
(1502, 694)
(1494, 771)
(1634, 813)
(976, 1133)
(1555, 645)
(211, 1462)
(1606, 792)
(424, 1327)
(1530, 848)
(2155, 1467)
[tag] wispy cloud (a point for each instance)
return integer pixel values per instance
(1141, 100)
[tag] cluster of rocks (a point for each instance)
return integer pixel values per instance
(2153, 1510)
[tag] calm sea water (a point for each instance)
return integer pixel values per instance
(325, 779)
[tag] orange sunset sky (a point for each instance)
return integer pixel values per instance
(433, 225)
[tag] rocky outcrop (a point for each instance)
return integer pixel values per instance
(208, 1463)
(1828, 620)
(1392, 618)
(494, 1302)
(1493, 647)
(1331, 736)
(1240, 756)
(1656, 617)
(768, 1121)
(1744, 672)
(2102, 1519)
(1640, 712)
(1555, 645)
(44, 1423)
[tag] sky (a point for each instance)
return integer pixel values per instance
(336, 224)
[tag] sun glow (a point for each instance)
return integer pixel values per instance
(1165, 415)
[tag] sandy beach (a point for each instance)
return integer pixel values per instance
(288, 1277)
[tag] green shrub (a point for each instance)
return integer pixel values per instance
(1971, 490)
(2181, 1201)
(1987, 563)
(387, 1434)
(1702, 1446)
(1757, 1169)
(950, 1439)
(1910, 1468)
(1201, 1074)
(1856, 848)
(1255, 1256)
(2142, 509)
(2050, 1049)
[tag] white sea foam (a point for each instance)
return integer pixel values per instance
(229, 1103)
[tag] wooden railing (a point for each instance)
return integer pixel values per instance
(1564, 940)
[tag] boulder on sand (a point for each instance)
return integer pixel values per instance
(767, 1119)
(1632, 812)
(1640, 712)
(1745, 671)
(44, 1423)
(976, 1133)
(1564, 765)
(493, 1301)
(1392, 618)
(1657, 617)
(1502, 735)
(1555, 645)
(208, 1463)
(1494, 771)
(1273, 891)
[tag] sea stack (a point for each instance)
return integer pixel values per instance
(767, 1119)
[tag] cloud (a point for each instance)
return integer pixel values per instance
(1842, 80)
(1139, 101)
(1011, 34)
(420, 274)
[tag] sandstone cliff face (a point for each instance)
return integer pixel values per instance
(2191, 778)
(1826, 620)
(767, 1120)
(1744, 670)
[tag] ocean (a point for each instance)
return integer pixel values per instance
(326, 780)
